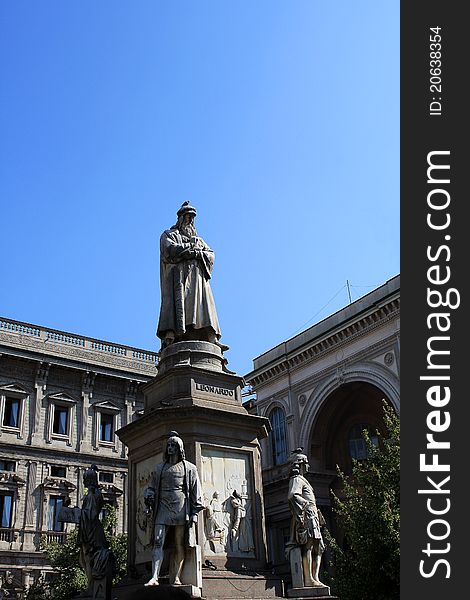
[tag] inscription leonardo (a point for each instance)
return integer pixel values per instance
(202, 387)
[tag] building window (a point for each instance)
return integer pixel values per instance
(60, 422)
(105, 477)
(61, 417)
(106, 429)
(105, 424)
(55, 504)
(7, 465)
(278, 436)
(6, 509)
(11, 413)
(57, 471)
(357, 443)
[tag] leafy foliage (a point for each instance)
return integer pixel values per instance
(70, 578)
(367, 566)
(117, 543)
(38, 590)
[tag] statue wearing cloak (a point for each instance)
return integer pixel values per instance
(306, 520)
(187, 309)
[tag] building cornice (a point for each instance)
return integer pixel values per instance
(352, 362)
(332, 341)
(39, 343)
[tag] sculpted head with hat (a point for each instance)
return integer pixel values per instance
(185, 223)
(299, 461)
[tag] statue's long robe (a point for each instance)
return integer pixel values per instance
(95, 556)
(186, 296)
(90, 529)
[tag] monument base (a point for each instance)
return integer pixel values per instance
(229, 585)
(304, 593)
(131, 591)
(216, 585)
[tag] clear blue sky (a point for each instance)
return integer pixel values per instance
(277, 119)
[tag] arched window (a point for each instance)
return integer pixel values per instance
(278, 436)
(357, 443)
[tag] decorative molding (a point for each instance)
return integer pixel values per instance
(61, 397)
(61, 344)
(15, 388)
(88, 382)
(58, 484)
(42, 374)
(11, 479)
(106, 406)
(334, 341)
(132, 387)
(110, 490)
(365, 355)
(275, 402)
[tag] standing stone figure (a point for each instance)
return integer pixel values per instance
(306, 521)
(187, 310)
(174, 494)
(95, 557)
(241, 530)
(214, 522)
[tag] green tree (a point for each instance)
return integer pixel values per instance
(367, 566)
(38, 590)
(70, 578)
(117, 543)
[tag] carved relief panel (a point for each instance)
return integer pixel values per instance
(228, 499)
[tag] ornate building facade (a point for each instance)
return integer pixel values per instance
(62, 397)
(320, 390)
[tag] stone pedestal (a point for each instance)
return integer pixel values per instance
(296, 567)
(298, 590)
(304, 593)
(247, 586)
(224, 585)
(195, 394)
(132, 591)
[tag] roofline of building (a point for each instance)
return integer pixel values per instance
(352, 312)
(27, 339)
(70, 334)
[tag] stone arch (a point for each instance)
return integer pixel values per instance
(367, 372)
(275, 403)
(344, 404)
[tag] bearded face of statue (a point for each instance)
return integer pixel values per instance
(186, 225)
